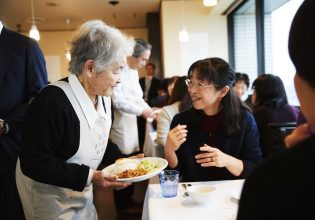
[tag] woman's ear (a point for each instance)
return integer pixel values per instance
(88, 66)
(224, 91)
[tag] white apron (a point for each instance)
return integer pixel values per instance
(44, 201)
(124, 132)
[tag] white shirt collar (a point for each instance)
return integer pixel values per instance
(1, 27)
(149, 77)
(85, 102)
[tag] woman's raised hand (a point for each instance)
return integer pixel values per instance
(176, 137)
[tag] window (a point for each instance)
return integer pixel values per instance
(258, 32)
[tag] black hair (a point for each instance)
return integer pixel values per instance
(242, 77)
(269, 90)
(140, 47)
(301, 42)
(218, 72)
(180, 94)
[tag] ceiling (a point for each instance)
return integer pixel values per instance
(56, 15)
(63, 15)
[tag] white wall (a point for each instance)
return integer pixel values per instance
(54, 45)
(197, 20)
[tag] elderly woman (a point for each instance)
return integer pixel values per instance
(67, 127)
(218, 139)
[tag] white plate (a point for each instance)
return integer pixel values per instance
(236, 195)
(162, 162)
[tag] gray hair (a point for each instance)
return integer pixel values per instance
(103, 44)
(140, 47)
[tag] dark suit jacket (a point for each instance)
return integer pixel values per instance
(22, 74)
(155, 85)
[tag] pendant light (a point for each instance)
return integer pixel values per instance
(34, 33)
(210, 2)
(68, 54)
(183, 34)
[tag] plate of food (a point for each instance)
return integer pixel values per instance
(136, 170)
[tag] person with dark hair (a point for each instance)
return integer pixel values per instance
(180, 101)
(149, 84)
(270, 105)
(128, 103)
(241, 87)
(217, 139)
(165, 91)
(283, 186)
(22, 74)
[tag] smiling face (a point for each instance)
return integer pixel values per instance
(205, 98)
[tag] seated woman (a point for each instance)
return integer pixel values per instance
(241, 87)
(179, 101)
(270, 105)
(218, 138)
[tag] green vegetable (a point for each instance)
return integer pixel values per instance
(147, 165)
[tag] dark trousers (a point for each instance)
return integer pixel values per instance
(123, 198)
(141, 131)
(10, 203)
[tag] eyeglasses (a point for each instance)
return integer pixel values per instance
(198, 86)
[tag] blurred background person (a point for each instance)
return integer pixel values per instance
(70, 121)
(180, 101)
(165, 91)
(283, 186)
(241, 87)
(149, 84)
(270, 105)
(22, 74)
(217, 139)
(128, 103)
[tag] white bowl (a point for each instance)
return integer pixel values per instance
(200, 194)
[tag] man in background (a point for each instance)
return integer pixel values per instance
(128, 103)
(22, 75)
(149, 84)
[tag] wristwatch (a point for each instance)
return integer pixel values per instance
(3, 127)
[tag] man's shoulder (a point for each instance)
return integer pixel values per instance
(21, 37)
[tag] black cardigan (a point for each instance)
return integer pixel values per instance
(51, 135)
(244, 146)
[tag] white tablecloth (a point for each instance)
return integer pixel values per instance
(223, 205)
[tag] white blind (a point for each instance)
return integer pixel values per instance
(245, 45)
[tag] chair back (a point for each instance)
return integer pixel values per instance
(276, 134)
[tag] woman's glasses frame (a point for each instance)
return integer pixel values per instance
(199, 86)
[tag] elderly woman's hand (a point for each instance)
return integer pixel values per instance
(212, 157)
(107, 181)
(176, 137)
